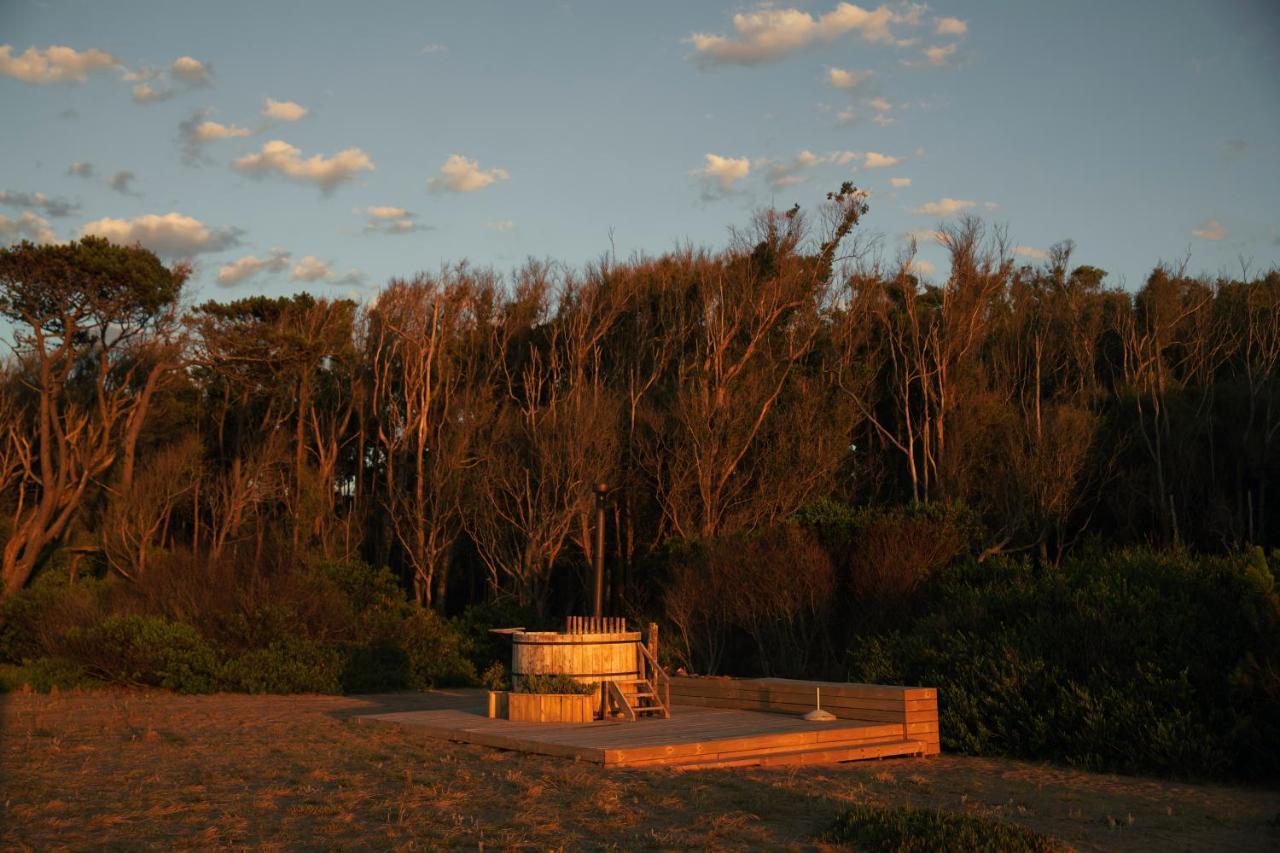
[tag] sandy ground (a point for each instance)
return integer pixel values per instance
(137, 770)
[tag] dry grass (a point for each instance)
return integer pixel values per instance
(153, 770)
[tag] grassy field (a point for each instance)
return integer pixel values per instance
(137, 770)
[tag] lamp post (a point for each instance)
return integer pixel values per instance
(601, 490)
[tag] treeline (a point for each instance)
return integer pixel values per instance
(452, 427)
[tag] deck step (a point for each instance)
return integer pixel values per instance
(819, 755)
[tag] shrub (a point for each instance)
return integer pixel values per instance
(144, 651)
(376, 667)
(437, 653)
(554, 684)
(906, 830)
(44, 675)
(1132, 661)
(295, 665)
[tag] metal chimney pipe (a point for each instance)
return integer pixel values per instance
(601, 490)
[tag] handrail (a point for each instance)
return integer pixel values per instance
(661, 677)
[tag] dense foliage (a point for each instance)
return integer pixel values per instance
(819, 464)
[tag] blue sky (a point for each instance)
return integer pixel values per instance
(1143, 131)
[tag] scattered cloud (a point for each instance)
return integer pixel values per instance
(880, 105)
(55, 64)
(950, 26)
(900, 182)
(846, 116)
(843, 79)
(461, 175)
(1210, 230)
(433, 47)
(172, 235)
(785, 173)
(944, 207)
(121, 182)
(191, 71)
(283, 110)
(198, 130)
(937, 56)
(311, 268)
(719, 174)
(80, 170)
(183, 75)
(250, 266)
(1031, 252)
(991, 205)
(924, 235)
(278, 157)
(54, 207)
(389, 220)
(767, 33)
(27, 226)
(500, 225)
(920, 266)
(872, 160)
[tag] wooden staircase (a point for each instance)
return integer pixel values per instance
(650, 694)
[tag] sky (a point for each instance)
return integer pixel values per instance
(330, 146)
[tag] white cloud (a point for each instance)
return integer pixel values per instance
(311, 268)
(197, 131)
(1210, 230)
(460, 175)
(1031, 252)
(389, 220)
(172, 235)
(191, 71)
(283, 110)
(950, 26)
(780, 173)
(842, 79)
(283, 159)
(991, 205)
(919, 266)
(846, 116)
(80, 170)
(938, 56)
(900, 182)
(944, 207)
(27, 226)
(719, 174)
(183, 75)
(767, 33)
(880, 105)
(54, 64)
(500, 225)
(39, 201)
(208, 131)
(872, 160)
(249, 266)
(924, 235)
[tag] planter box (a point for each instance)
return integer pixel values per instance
(542, 707)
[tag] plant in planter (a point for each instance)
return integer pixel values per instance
(546, 699)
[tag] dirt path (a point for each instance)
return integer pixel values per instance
(155, 770)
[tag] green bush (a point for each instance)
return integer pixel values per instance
(906, 830)
(436, 651)
(294, 665)
(1133, 661)
(43, 675)
(144, 651)
(554, 684)
(377, 667)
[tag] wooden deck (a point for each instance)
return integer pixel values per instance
(694, 736)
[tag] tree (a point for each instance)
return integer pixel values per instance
(94, 327)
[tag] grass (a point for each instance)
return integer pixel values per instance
(136, 769)
(913, 830)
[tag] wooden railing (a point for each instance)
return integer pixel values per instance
(658, 679)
